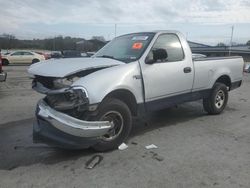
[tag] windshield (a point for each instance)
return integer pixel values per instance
(126, 48)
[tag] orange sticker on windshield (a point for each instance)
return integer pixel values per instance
(137, 46)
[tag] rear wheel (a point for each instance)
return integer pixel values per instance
(118, 113)
(217, 100)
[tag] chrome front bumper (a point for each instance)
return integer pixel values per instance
(70, 125)
(3, 76)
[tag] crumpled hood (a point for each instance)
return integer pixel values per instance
(64, 67)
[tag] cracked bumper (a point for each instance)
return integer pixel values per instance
(61, 130)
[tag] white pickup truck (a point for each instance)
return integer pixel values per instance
(89, 102)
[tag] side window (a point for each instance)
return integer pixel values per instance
(16, 53)
(27, 53)
(171, 43)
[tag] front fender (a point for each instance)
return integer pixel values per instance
(99, 84)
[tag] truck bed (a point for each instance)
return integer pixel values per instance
(209, 69)
(215, 58)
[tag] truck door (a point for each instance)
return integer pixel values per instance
(170, 77)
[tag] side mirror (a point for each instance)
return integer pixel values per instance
(158, 54)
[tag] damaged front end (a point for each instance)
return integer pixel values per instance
(62, 115)
(63, 97)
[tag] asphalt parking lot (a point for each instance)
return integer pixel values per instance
(194, 149)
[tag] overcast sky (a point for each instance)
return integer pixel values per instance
(206, 21)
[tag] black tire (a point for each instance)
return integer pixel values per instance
(118, 112)
(217, 100)
(35, 61)
(5, 62)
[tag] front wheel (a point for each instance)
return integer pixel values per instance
(118, 113)
(217, 100)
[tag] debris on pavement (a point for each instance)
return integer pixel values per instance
(134, 143)
(153, 155)
(158, 157)
(95, 160)
(244, 116)
(123, 146)
(151, 146)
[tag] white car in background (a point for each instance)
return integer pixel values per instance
(22, 57)
(197, 56)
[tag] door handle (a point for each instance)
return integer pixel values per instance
(187, 69)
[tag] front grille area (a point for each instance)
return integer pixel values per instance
(75, 99)
(45, 81)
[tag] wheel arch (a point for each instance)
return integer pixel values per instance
(5, 59)
(225, 79)
(125, 96)
(35, 60)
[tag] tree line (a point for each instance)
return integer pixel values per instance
(58, 43)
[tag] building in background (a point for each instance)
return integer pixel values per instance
(216, 51)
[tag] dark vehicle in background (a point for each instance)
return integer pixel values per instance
(3, 75)
(56, 54)
(71, 53)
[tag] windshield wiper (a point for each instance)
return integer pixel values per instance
(106, 56)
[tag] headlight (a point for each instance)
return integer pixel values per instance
(82, 89)
(64, 82)
(74, 97)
